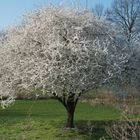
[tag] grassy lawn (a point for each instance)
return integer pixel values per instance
(45, 120)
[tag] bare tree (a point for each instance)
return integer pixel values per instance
(127, 129)
(98, 10)
(126, 15)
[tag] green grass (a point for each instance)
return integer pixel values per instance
(45, 120)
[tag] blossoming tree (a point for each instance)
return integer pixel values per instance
(63, 52)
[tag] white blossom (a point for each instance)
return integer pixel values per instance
(60, 51)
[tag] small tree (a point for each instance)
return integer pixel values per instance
(61, 51)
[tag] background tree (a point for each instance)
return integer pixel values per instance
(98, 10)
(63, 52)
(132, 68)
(126, 15)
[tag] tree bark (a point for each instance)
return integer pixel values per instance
(70, 119)
(70, 105)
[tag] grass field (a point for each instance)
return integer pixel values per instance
(45, 120)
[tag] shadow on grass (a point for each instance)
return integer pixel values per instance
(94, 129)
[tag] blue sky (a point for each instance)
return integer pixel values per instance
(11, 11)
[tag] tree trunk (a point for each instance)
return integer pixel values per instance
(70, 119)
(70, 105)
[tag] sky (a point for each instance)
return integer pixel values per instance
(11, 11)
